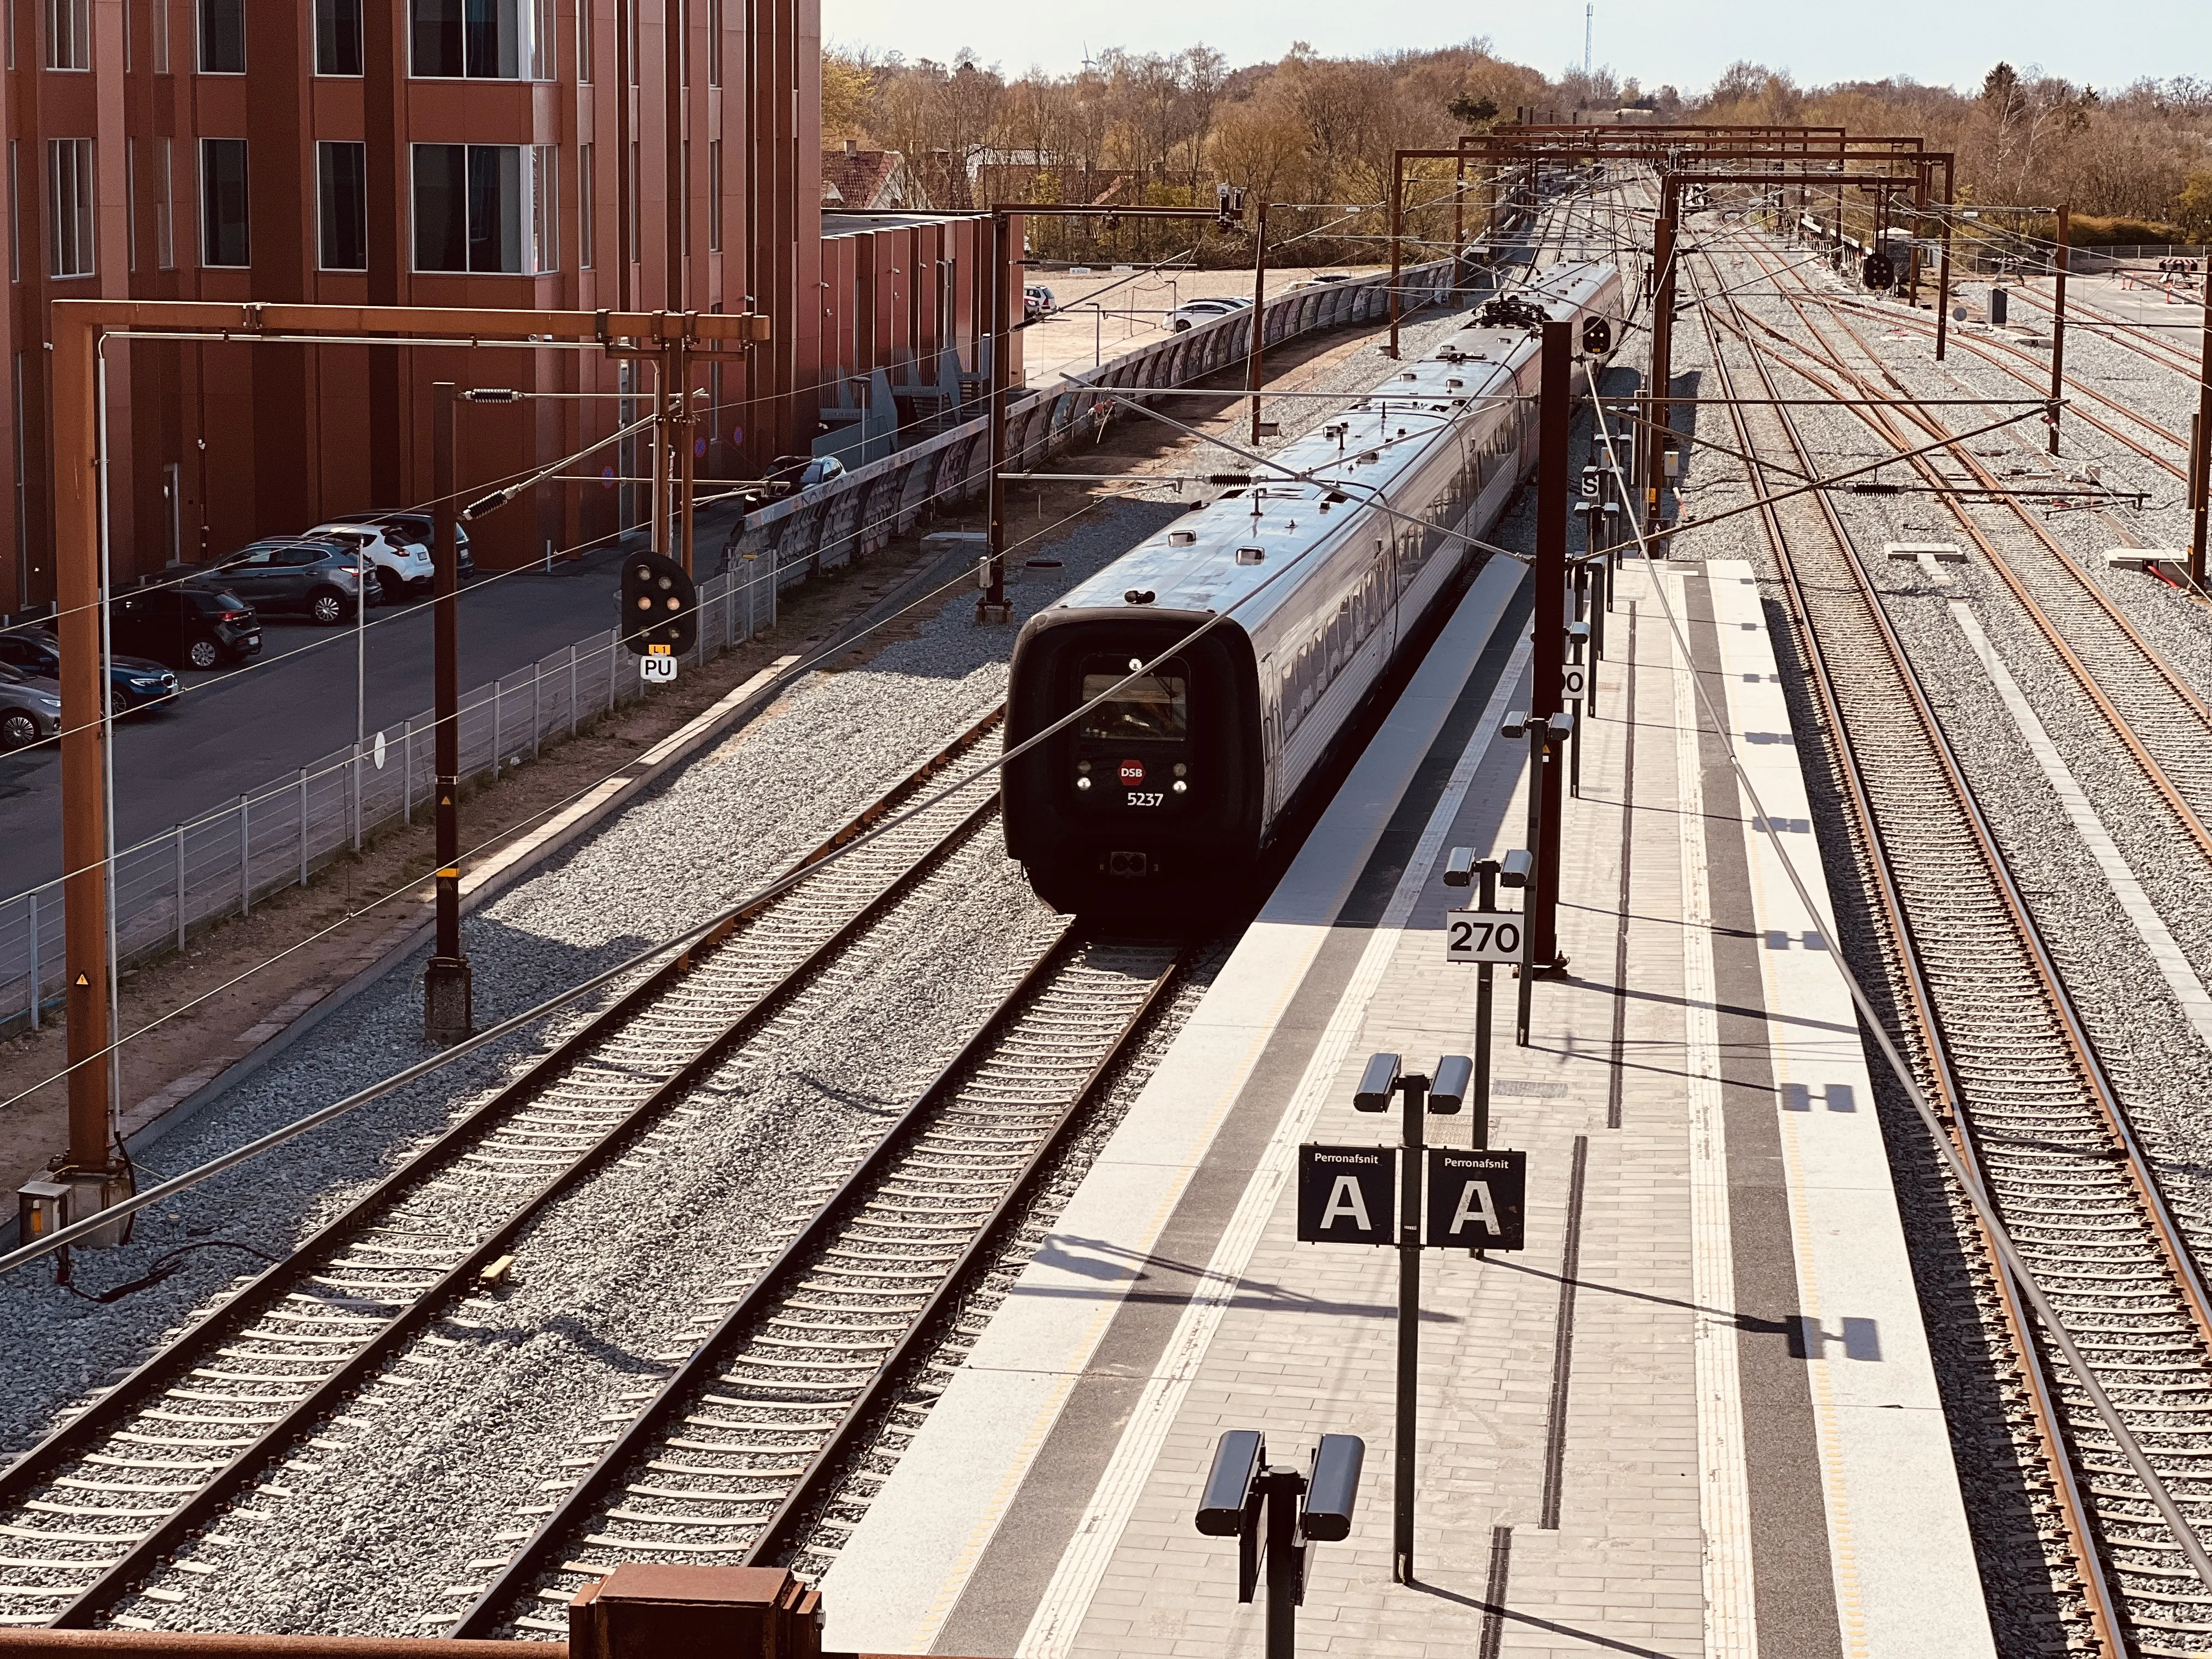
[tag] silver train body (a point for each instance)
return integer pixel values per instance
(1161, 797)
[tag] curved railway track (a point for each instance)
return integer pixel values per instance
(742, 1455)
(95, 1507)
(2121, 331)
(2011, 1066)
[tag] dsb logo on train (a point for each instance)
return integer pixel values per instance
(1132, 771)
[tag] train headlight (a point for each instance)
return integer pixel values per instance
(1083, 783)
(1181, 786)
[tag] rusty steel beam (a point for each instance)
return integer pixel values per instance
(76, 326)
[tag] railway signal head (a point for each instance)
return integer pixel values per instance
(1597, 336)
(660, 604)
(1878, 271)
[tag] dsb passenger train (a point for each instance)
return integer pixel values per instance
(1159, 797)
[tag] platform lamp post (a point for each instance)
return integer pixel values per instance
(1273, 1512)
(1444, 1094)
(990, 604)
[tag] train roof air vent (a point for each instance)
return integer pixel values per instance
(1251, 554)
(1138, 596)
(1182, 537)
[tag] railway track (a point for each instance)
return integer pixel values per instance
(2010, 1065)
(94, 1507)
(2035, 373)
(745, 1453)
(2153, 712)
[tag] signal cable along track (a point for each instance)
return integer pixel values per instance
(2010, 1065)
(736, 1457)
(96, 1505)
(2153, 712)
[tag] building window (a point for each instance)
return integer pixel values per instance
(69, 179)
(481, 40)
(714, 196)
(545, 208)
(584, 217)
(165, 224)
(222, 203)
(714, 43)
(14, 246)
(477, 208)
(631, 229)
(222, 37)
(682, 192)
(337, 37)
(160, 20)
(342, 192)
(130, 199)
(69, 34)
(584, 41)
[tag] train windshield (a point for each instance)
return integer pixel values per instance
(1151, 707)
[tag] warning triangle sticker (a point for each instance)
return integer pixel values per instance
(82, 982)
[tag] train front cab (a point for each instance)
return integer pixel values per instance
(1146, 811)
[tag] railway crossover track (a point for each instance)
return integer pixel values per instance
(2154, 713)
(2009, 1064)
(93, 1510)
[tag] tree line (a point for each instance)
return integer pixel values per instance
(1166, 129)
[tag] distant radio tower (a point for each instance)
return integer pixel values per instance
(1589, 12)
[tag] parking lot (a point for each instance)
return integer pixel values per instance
(239, 728)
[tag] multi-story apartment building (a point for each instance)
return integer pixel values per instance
(506, 153)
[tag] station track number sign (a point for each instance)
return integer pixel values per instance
(1574, 679)
(658, 666)
(1472, 1199)
(1482, 936)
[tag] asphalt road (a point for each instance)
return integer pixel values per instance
(240, 728)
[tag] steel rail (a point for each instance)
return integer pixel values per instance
(1925, 1033)
(2168, 1247)
(2188, 1278)
(241, 1310)
(2173, 685)
(651, 1423)
(1998, 354)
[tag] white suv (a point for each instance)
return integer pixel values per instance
(400, 564)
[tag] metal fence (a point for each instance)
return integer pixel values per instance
(223, 862)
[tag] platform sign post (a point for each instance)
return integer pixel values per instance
(1578, 680)
(1463, 869)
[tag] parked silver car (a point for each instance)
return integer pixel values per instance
(30, 710)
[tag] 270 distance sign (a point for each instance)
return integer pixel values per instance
(1482, 936)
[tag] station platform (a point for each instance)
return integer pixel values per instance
(1695, 1415)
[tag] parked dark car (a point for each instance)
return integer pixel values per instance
(29, 709)
(417, 528)
(137, 681)
(318, 579)
(188, 625)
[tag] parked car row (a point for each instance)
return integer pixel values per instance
(205, 615)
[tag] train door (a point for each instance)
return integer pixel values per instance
(1271, 735)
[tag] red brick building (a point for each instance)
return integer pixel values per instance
(508, 152)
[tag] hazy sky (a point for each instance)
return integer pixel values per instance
(1686, 42)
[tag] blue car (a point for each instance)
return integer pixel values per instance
(138, 682)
